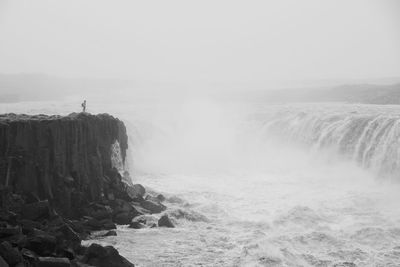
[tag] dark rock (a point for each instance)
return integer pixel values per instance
(92, 224)
(153, 207)
(139, 208)
(100, 212)
(42, 243)
(29, 225)
(110, 233)
(18, 240)
(123, 218)
(8, 216)
(55, 157)
(67, 234)
(97, 255)
(164, 221)
(11, 255)
(107, 224)
(3, 263)
(53, 262)
(66, 253)
(28, 255)
(160, 197)
(37, 210)
(10, 231)
(136, 190)
(77, 226)
(136, 225)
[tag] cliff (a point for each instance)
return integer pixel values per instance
(65, 159)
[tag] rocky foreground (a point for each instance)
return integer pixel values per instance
(58, 184)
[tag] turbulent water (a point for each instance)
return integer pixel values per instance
(261, 185)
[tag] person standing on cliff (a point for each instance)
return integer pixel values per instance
(84, 106)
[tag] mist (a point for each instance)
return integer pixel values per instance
(210, 43)
(267, 131)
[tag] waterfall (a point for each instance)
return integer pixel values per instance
(367, 135)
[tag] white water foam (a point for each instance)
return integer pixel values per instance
(258, 185)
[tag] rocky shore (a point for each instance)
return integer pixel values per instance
(59, 182)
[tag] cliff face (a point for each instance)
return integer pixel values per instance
(63, 159)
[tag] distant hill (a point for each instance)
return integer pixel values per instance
(365, 93)
(39, 87)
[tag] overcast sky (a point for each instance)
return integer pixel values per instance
(202, 41)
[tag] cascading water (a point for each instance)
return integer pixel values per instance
(262, 185)
(368, 135)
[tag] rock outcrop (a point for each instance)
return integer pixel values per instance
(59, 183)
(65, 159)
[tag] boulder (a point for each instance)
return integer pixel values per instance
(136, 191)
(3, 263)
(18, 240)
(153, 207)
(164, 221)
(99, 211)
(100, 256)
(93, 224)
(110, 233)
(36, 211)
(123, 218)
(136, 225)
(107, 224)
(8, 216)
(29, 225)
(161, 198)
(9, 231)
(67, 234)
(52, 262)
(42, 243)
(10, 254)
(28, 255)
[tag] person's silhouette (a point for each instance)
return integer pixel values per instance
(84, 106)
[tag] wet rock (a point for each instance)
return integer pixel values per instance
(77, 226)
(8, 216)
(164, 221)
(100, 212)
(136, 225)
(147, 220)
(124, 218)
(110, 233)
(42, 243)
(161, 198)
(36, 211)
(97, 255)
(136, 191)
(93, 224)
(66, 234)
(28, 255)
(52, 262)
(29, 225)
(18, 240)
(9, 231)
(139, 209)
(54, 157)
(3, 263)
(108, 225)
(10, 254)
(153, 207)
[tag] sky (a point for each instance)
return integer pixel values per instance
(208, 41)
